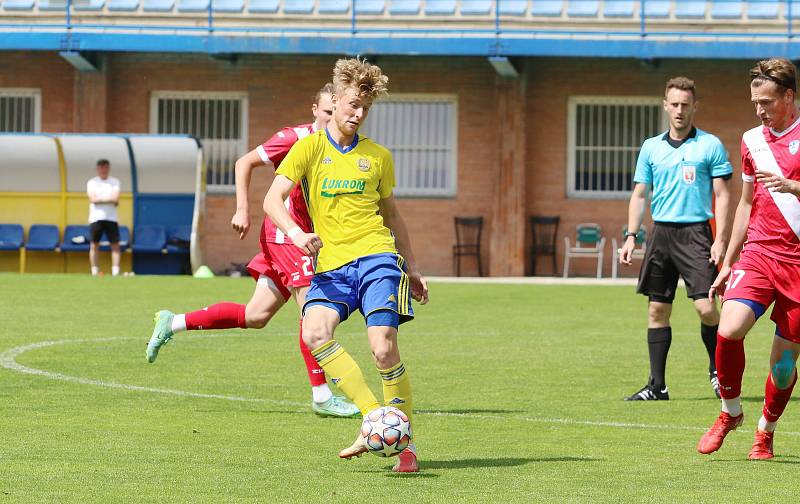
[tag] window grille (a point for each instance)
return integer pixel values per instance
(20, 110)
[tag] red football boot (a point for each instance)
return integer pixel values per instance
(712, 440)
(406, 462)
(762, 446)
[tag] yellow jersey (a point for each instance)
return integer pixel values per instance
(343, 188)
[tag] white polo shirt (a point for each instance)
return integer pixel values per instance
(104, 189)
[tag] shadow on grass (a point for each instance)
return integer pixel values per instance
(779, 459)
(750, 399)
(467, 411)
(472, 463)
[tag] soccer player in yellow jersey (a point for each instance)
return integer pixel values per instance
(364, 256)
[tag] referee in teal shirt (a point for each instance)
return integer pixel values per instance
(684, 166)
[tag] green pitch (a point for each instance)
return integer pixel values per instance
(518, 390)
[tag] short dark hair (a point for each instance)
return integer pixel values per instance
(103, 161)
(781, 71)
(682, 83)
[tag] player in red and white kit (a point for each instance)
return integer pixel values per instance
(768, 269)
(281, 270)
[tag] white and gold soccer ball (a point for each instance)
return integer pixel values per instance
(386, 431)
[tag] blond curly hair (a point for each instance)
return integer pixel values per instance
(360, 75)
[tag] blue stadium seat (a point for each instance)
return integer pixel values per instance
(49, 5)
(405, 7)
(263, 6)
(618, 8)
(42, 237)
(763, 9)
(193, 5)
(124, 240)
(476, 7)
(227, 5)
(547, 8)
(88, 5)
(726, 9)
(149, 239)
(179, 239)
(123, 5)
(440, 7)
(18, 4)
(656, 9)
(158, 5)
(513, 7)
(583, 8)
(690, 9)
(333, 6)
(298, 6)
(76, 239)
(11, 236)
(370, 6)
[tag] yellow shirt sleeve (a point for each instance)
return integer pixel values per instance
(386, 185)
(296, 163)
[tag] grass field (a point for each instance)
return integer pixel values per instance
(518, 390)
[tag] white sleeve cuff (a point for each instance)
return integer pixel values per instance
(263, 154)
(748, 178)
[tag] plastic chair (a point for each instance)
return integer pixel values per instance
(50, 5)
(333, 6)
(468, 241)
(618, 8)
(193, 5)
(18, 4)
(762, 9)
(727, 9)
(179, 239)
(692, 9)
(544, 232)
(583, 8)
(298, 6)
(656, 9)
(263, 6)
(227, 5)
(513, 7)
(370, 6)
(547, 8)
(76, 239)
(42, 237)
(638, 252)
(475, 7)
(150, 239)
(123, 5)
(11, 236)
(440, 7)
(158, 5)
(88, 5)
(589, 243)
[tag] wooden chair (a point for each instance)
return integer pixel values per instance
(544, 231)
(468, 241)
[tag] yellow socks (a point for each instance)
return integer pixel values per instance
(397, 388)
(346, 375)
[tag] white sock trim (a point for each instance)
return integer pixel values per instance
(321, 393)
(733, 407)
(179, 323)
(766, 426)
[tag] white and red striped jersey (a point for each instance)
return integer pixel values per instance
(774, 228)
(273, 151)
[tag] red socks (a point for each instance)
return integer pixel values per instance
(730, 366)
(775, 399)
(218, 316)
(315, 373)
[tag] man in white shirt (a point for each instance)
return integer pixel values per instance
(103, 192)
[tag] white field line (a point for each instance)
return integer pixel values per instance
(8, 361)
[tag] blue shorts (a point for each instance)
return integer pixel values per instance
(376, 285)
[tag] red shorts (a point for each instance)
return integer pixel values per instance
(284, 264)
(765, 280)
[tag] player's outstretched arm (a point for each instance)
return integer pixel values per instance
(394, 221)
(280, 189)
(240, 222)
(635, 215)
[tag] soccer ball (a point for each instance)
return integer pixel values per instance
(386, 431)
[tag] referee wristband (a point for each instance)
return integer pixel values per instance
(629, 234)
(294, 232)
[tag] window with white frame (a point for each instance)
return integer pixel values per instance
(604, 137)
(20, 110)
(219, 120)
(421, 132)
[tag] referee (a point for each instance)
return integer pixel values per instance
(684, 166)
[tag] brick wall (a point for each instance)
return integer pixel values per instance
(280, 90)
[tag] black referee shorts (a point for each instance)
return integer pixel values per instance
(110, 228)
(675, 250)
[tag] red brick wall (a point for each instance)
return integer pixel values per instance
(280, 90)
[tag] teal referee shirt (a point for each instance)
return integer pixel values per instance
(681, 173)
